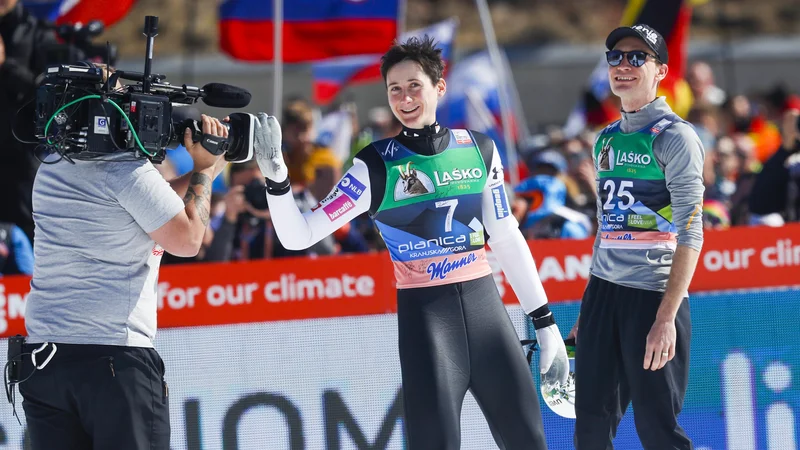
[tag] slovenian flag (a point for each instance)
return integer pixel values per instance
(79, 11)
(472, 99)
(333, 75)
(312, 29)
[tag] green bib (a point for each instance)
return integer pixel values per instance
(635, 202)
(431, 213)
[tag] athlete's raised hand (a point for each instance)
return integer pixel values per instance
(267, 139)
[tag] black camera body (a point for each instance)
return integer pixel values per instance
(82, 113)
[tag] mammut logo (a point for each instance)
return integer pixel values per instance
(605, 161)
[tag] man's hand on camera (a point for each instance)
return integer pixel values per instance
(267, 148)
(2, 51)
(790, 132)
(202, 158)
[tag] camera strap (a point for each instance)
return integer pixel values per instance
(214, 144)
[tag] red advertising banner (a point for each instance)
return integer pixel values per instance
(363, 284)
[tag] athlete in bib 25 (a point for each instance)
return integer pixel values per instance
(434, 194)
(634, 327)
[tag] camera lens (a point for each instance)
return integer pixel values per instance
(240, 136)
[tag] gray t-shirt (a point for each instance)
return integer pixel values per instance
(680, 154)
(95, 269)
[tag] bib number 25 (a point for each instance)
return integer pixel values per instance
(626, 199)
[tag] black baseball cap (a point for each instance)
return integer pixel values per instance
(650, 36)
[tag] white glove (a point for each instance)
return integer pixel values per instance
(553, 360)
(267, 148)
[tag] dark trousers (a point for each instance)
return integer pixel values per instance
(609, 374)
(455, 338)
(96, 397)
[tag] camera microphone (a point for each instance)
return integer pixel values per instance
(223, 95)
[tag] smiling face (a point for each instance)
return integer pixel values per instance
(635, 86)
(413, 96)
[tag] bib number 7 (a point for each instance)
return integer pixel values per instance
(448, 222)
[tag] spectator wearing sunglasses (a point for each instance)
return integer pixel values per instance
(634, 323)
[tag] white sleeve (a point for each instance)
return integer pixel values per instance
(508, 244)
(349, 199)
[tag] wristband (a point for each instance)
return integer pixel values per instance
(542, 317)
(281, 188)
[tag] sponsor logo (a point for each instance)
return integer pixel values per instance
(605, 160)
(665, 258)
(457, 175)
(500, 202)
(496, 173)
(326, 200)
(412, 183)
(391, 147)
(613, 222)
(476, 238)
(441, 269)
(462, 137)
(157, 250)
(352, 187)
(101, 125)
(642, 221)
(622, 237)
(649, 34)
(441, 241)
(631, 158)
(609, 158)
(338, 206)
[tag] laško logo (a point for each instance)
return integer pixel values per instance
(445, 178)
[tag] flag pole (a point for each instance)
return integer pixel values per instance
(504, 76)
(277, 60)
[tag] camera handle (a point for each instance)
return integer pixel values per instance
(214, 144)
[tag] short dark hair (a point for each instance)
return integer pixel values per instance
(422, 51)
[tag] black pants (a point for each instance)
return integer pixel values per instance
(96, 397)
(458, 337)
(609, 374)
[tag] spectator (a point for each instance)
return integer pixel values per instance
(303, 155)
(542, 213)
(704, 89)
(775, 196)
(16, 252)
(21, 39)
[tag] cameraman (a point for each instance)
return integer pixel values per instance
(774, 197)
(21, 38)
(101, 230)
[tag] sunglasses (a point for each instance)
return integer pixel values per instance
(636, 58)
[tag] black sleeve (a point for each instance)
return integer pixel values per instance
(771, 185)
(486, 147)
(377, 175)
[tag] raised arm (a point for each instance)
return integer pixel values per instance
(350, 198)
